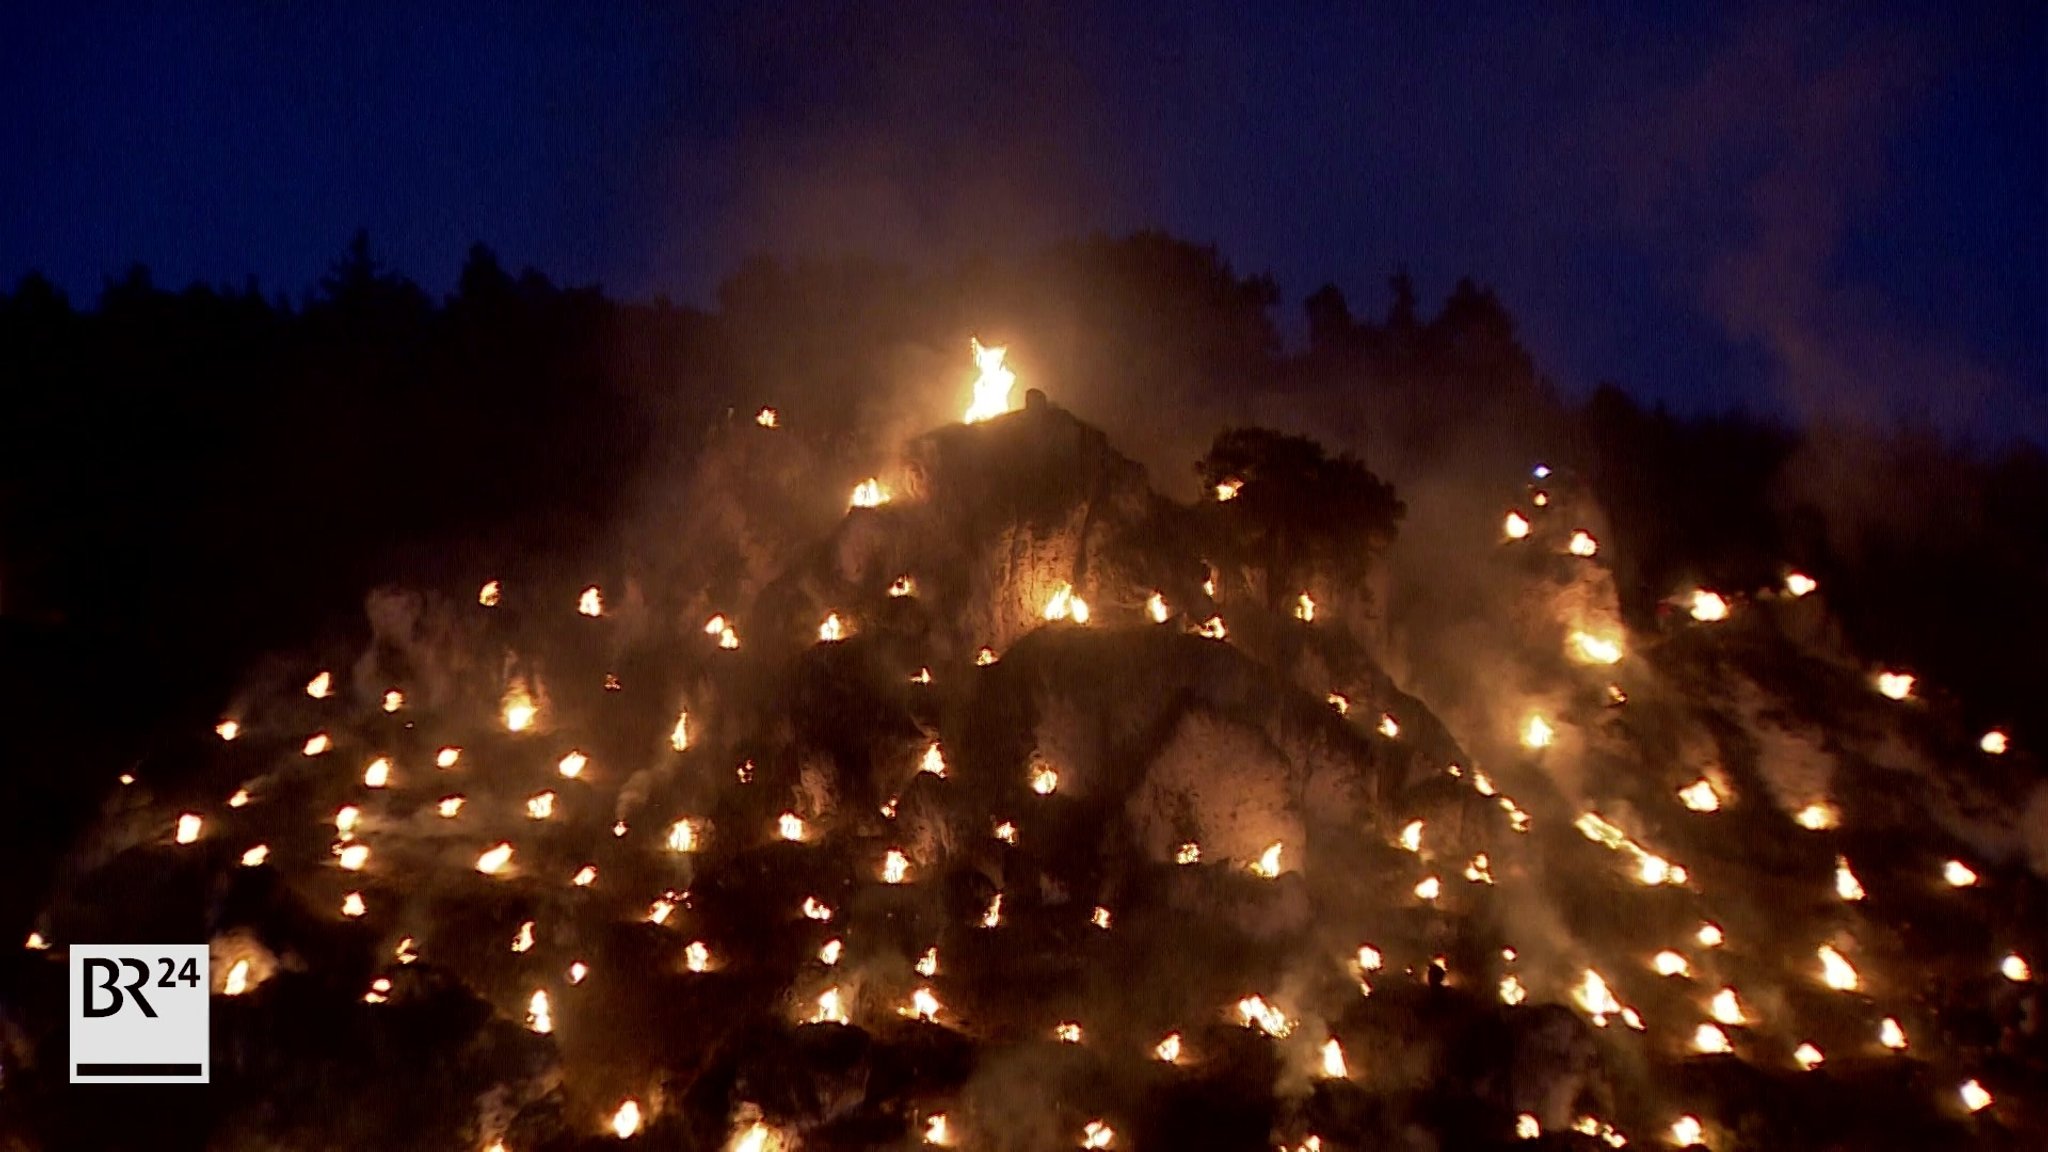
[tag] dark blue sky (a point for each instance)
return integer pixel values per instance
(1817, 211)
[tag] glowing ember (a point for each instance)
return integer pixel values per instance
(1064, 605)
(679, 736)
(36, 943)
(1709, 935)
(895, 867)
(346, 818)
(903, 586)
(1228, 490)
(1710, 1039)
(590, 602)
(1895, 685)
(352, 905)
(489, 594)
(188, 827)
(1188, 853)
(1155, 607)
(1975, 1098)
(1835, 971)
(1800, 584)
(1429, 889)
(1341, 704)
(813, 910)
(493, 861)
(626, 1121)
(1168, 1049)
(237, 981)
(984, 656)
(585, 876)
(353, 857)
(1044, 780)
(2015, 969)
(1891, 1035)
(1479, 871)
(540, 806)
(1213, 629)
(936, 1132)
(448, 806)
(1067, 1032)
(539, 1018)
(869, 493)
(832, 630)
(1537, 733)
(1515, 526)
(1527, 1127)
(1846, 885)
(1817, 817)
(522, 940)
(577, 971)
(393, 700)
(1511, 990)
(1590, 649)
(1726, 1008)
(697, 956)
(227, 729)
(1958, 874)
(924, 1005)
(1686, 1131)
(1808, 1057)
(1582, 544)
(1411, 836)
(767, 418)
(254, 857)
(831, 1008)
(1993, 743)
(992, 388)
(1305, 608)
(994, 915)
(1369, 959)
(1708, 607)
(1389, 727)
(379, 993)
(889, 808)
(1700, 796)
(659, 911)
(321, 687)
(447, 757)
(378, 774)
(1670, 964)
(1006, 832)
(404, 953)
(317, 744)
(829, 954)
(1096, 1134)
(572, 765)
(928, 964)
(790, 826)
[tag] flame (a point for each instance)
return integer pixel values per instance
(1846, 884)
(1895, 685)
(1228, 490)
(1527, 1127)
(1369, 959)
(697, 956)
(1891, 1035)
(256, 856)
(1389, 727)
(572, 765)
(346, 818)
(869, 493)
(1669, 963)
(1429, 889)
(924, 1005)
(188, 827)
(321, 686)
(1096, 1134)
(1212, 629)
(1590, 649)
(813, 910)
(1333, 1060)
(790, 826)
(626, 1121)
(352, 905)
(1593, 996)
(1711, 1040)
(2015, 969)
(404, 953)
(1511, 990)
(895, 867)
(1064, 605)
(1411, 836)
(488, 594)
(1067, 1032)
(682, 836)
(577, 971)
(1709, 935)
(1268, 863)
(317, 744)
(1807, 1057)
(1583, 545)
(1044, 780)
(522, 940)
(379, 993)
(994, 915)
(767, 418)
(1835, 971)
(1993, 743)
(1168, 1049)
(832, 630)
(540, 806)
(1305, 608)
(393, 700)
(352, 857)
(679, 736)
(538, 1017)
(1342, 705)
(934, 761)
(757, 1138)
(928, 964)
(447, 757)
(659, 911)
(585, 876)
(984, 656)
(889, 808)
(936, 1132)
(1006, 832)
(1975, 1098)
(829, 954)
(1686, 1131)
(1800, 584)
(519, 710)
(1480, 870)
(1155, 607)
(378, 774)
(992, 388)
(1817, 817)
(1708, 607)
(227, 729)
(237, 981)
(1537, 732)
(493, 861)
(831, 1008)
(590, 602)
(1700, 796)
(1188, 853)
(1958, 874)
(1515, 526)
(448, 806)
(1726, 1008)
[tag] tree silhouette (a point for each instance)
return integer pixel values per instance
(1298, 508)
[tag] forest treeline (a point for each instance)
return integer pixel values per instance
(188, 476)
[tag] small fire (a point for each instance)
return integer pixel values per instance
(237, 980)
(1511, 990)
(378, 774)
(1594, 996)
(1389, 727)
(590, 602)
(829, 954)
(519, 710)
(317, 744)
(813, 910)
(254, 857)
(1340, 703)
(869, 493)
(448, 806)
(1067, 1032)
(1369, 959)
(1064, 605)
(682, 836)
(539, 1017)
(577, 971)
(1537, 733)
(1710, 1039)
(227, 729)
(679, 736)
(540, 806)
(626, 1121)
(1835, 971)
(1895, 685)
(1168, 1049)
(1527, 1127)
(1993, 743)
(36, 943)
(928, 964)
(924, 1005)
(659, 911)
(447, 757)
(1958, 874)
(903, 586)
(346, 818)
(1188, 853)
(1100, 918)
(379, 993)
(1686, 1132)
(992, 388)
(1305, 608)
(1975, 1098)
(895, 867)
(1213, 629)
(697, 956)
(790, 827)
(984, 656)
(936, 1132)
(1700, 796)
(1429, 889)
(585, 876)
(522, 940)
(1044, 780)
(832, 630)
(1726, 1008)
(1268, 863)
(994, 915)
(1096, 1134)
(488, 594)
(1006, 832)
(1228, 490)
(404, 953)
(1590, 649)
(934, 762)
(1333, 1060)
(1891, 1035)
(1800, 584)
(1583, 545)
(1480, 870)
(924, 676)
(321, 687)
(1817, 817)
(188, 827)
(1515, 526)
(831, 1008)
(352, 905)
(1709, 935)
(493, 861)
(1155, 607)
(1708, 607)
(393, 700)
(353, 857)
(572, 765)
(1668, 963)
(1808, 1057)
(2015, 969)
(767, 418)
(1846, 885)
(1411, 836)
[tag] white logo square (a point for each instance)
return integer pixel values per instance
(139, 1013)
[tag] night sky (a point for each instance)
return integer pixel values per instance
(1809, 213)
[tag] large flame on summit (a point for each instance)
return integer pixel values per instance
(992, 389)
